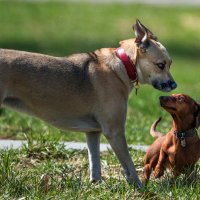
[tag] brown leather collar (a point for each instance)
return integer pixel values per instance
(182, 135)
(189, 133)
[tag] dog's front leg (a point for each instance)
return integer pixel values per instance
(160, 167)
(117, 140)
(146, 173)
(93, 143)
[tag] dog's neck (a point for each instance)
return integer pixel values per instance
(108, 55)
(184, 131)
(130, 49)
(128, 64)
(181, 124)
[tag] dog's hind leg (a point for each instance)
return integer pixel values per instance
(93, 143)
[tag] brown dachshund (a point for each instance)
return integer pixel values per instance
(180, 148)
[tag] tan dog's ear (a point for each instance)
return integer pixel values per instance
(121, 42)
(142, 33)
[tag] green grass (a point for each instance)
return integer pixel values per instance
(64, 28)
(45, 170)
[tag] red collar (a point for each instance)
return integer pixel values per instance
(129, 65)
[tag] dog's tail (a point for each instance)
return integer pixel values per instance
(153, 131)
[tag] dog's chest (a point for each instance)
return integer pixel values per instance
(182, 157)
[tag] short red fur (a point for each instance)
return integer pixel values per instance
(179, 149)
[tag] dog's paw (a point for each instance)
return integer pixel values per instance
(158, 172)
(95, 180)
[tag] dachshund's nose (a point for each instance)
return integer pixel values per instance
(164, 98)
(167, 98)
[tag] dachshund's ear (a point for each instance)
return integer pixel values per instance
(198, 116)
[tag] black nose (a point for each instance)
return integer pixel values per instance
(169, 84)
(164, 85)
(172, 84)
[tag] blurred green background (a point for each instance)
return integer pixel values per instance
(64, 28)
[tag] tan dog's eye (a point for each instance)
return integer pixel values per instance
(161, 65)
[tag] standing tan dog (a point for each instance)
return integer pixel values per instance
(87, 92)
(179, 150)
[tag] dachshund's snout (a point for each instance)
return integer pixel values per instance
(164, 98)
(167, 100)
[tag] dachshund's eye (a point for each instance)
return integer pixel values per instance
(161, 65)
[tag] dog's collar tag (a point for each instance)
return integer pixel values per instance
(136, 86)
(183, 142)
(181, 136)
(127, 62)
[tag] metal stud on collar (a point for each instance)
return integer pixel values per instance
(183, 142)
(181, 136)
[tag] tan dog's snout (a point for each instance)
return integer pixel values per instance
(165, 86)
